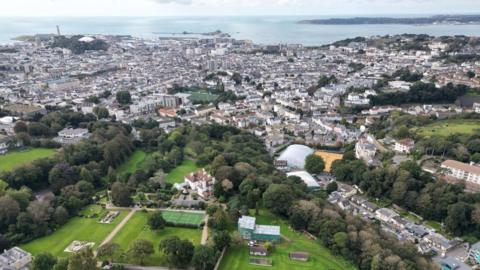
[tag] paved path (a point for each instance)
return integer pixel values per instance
(205, 231)
(119, 227)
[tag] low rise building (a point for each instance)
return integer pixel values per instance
(462, 171)
(404, 146)
(15, 259)
(249, 230)
(71, 136)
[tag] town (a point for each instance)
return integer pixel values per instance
(391, 102)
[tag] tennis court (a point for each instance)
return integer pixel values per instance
(179, 218)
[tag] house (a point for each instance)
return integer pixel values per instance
(258, 251)
(462, 171)
(365, 150)
(15, 259)
(439, 243)
(4, 144)
(385, 214)
(249, 230)
(71, 136)
(474, 253)
(201, 182)
(404, 146)
(299, 256)
(476, 107)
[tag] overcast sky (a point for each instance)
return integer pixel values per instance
(232, 7)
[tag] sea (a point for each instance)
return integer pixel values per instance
(259, 29)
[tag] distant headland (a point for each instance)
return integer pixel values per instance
(438, 19)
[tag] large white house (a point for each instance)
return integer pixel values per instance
(463, 171)
(201, 182)
(404, 146)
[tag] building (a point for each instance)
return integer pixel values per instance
(4, 144)
(249, 230)
(365, 150)
(404, 146)
(474, 253)
(385, 214)
(71, 136)
(15, 259)
(258, 251)
(306, 178)
(201, 182)
(462, 171)
(476, 107)
(295, 155)
(299, 256)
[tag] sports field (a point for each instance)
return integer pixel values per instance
(321, 258)
(448, 127)
(202, 96)
(183, 218)
(15, 159)
(177, 175)
(137, 228)
(78, 228)
(329, 158)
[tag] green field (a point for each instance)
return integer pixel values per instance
(15, 159)
(78, 228)
(448, 127)
(187, 218)
(133, 164)
(202, 96)
(137, 228)
(177, 175)
(237, 258)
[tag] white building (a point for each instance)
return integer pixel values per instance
(365, 150)
(404, 146)
(463, 171)
(71, 136)
(15, 259)
(201, 182)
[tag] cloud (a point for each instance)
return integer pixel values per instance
(181, 2)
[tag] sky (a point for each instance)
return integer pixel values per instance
(11, 8)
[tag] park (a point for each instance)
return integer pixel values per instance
(449, 127)
(15, 159)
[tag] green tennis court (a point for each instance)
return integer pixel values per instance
(183, 218)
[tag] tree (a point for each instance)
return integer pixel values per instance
(120, 194)
(4, 243)
(9, 210)
(109, 251)
(82, 260)
(221, 240)
(20, 127)
(140, 249)
(331, 187)
(179, 252)
(156, 221)
(124, 97)
(471, 74)
(44, 261)
(61, 175)
(278, 198)
(204, 258)
(314, 164)
(101, 112)
(62, 264)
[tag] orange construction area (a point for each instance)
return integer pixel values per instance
(329, 158)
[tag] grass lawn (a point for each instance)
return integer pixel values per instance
(202, 96)
(133, 164)
(78, 228)
(434, 225)
(15, 159)
(320, 257)
(445, 128)
(177, 175)
(183, 217)
(137, 228)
